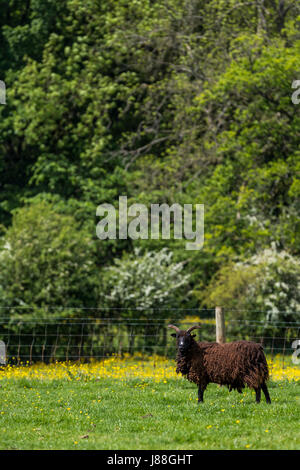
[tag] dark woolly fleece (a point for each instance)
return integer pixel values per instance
(233, 364)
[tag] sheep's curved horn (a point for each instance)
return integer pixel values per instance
(193, 328)
(175, 328)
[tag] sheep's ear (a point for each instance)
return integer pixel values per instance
(174, 335)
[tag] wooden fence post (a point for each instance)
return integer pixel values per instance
(220, 325)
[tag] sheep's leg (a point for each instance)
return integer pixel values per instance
(266, 392)
(200, 394)
(258, 394)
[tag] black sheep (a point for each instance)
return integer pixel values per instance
(233, 364)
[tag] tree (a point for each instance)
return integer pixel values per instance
(46, 260)
(145, 287)
(183, 101)
(265, 286)
(144, 282)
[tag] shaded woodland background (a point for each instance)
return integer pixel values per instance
(185, 101)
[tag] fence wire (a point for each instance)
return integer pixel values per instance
(29, 340)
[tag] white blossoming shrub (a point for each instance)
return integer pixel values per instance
(264, 287)
(141, 282)
(278, 284)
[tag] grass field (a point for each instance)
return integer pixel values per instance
(120, 405)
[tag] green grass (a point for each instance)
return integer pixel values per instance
(110, 414)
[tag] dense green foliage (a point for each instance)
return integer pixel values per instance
(185, 101)
(47, 260)
(268, 280)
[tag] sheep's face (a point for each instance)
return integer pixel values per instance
(184, 341)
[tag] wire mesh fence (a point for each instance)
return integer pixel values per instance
(105, 334)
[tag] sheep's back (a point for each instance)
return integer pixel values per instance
(237, 363)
